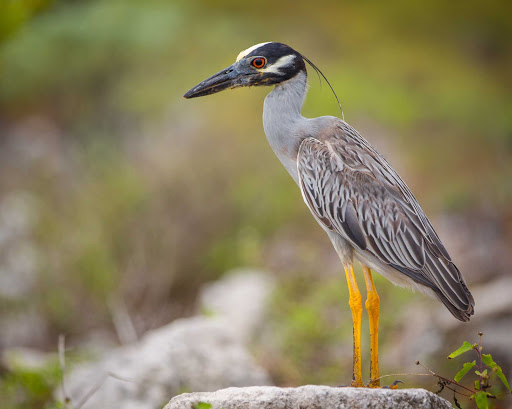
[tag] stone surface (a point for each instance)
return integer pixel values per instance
(18, 254)
(240, 299)
(189, 354)
(311, 397)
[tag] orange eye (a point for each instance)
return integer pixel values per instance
(258, 62)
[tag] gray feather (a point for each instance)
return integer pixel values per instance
(367, 203)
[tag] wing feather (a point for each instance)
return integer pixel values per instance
(353, 191)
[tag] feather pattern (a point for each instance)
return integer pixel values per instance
(353, 191)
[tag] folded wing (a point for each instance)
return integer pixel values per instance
(353, 191)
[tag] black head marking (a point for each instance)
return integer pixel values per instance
(273, 52)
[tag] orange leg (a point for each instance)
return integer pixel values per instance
(372, 306)
(356, 307)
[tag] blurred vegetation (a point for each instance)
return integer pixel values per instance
(140, 196)
(23, 387)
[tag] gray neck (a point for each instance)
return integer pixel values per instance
(283, 123)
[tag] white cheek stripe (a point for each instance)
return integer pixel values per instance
(245, 52)
(282, 62)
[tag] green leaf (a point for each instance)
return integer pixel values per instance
(202, 405)
(481, 400)
(466, 346)
(487, 360)
(503, 378)
(465, 369)
(484, 373)
(477, 384)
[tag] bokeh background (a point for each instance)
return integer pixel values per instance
(118, 194)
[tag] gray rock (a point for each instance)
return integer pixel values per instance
(240, 300)
(18, 255)
(310, 396)
(188, 354)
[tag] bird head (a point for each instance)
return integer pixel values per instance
(261, 64)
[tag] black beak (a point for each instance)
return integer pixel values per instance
(230, 77)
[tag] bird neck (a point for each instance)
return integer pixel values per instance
(282, 119)
(286, 99)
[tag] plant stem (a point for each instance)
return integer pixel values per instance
(446, 379)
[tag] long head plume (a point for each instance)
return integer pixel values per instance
(320, 73)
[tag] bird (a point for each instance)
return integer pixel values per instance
(364, 206)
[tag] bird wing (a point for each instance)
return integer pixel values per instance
(352, 190)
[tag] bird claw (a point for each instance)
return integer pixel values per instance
(394, 385)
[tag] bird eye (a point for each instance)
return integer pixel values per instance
(258, 62)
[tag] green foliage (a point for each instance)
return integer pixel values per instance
(108, 35)
(23, 387)
(481, 400)
(202, 405)
(13, 14)
(466, 346)
(466, 368)
(483, 383)
(487, 360)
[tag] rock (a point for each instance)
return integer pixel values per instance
(18, 254)
(310, 396)
(189, 354)
(240, 299)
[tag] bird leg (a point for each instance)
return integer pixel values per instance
(372, 306)
(356, 307)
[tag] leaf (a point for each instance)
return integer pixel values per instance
(482, 374)
(465, 369)
(202, 405)
(487, 360)
(466, 346)
(503, 378)
(481, 400)
(477, 384)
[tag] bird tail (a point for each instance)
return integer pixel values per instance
(453, 291)
(447, 283)
(459, 313)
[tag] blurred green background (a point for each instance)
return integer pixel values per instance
(116, 190)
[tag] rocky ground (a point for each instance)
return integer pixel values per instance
(310, 396)
(211, 351)
(189, 354)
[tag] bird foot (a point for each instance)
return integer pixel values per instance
(353, 384)
(372, 384)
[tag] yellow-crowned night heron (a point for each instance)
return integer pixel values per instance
(365, 208)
